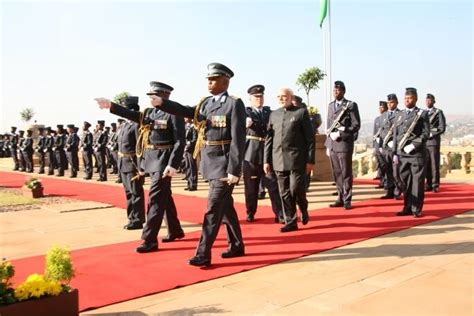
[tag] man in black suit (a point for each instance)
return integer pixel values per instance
(343, 125)
(412, 130)
(289, 151)
(252, 166)
(433, 145)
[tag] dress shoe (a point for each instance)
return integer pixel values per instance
(376, 178)
(347, 206)
(427, 189)
(397, 197)
(72, 176)
(417, 214)
(289, 228)
(41, 172)
(118, 181)
(60, 175)
(404, 213)
(133, 226)
(198, 261)
(250, 218)
(101, 180)
(380, 186)
(336, 204)
(334, 194)
(304, 217)
(435, 190)
(387, 196)
(232, 254)
(173, 237)
(147, 247)
(261, 196)
(186, 189)
(87, 178)
(192, 189)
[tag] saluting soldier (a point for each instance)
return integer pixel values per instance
(27, 151)
(128, 167)
(412, 130)
(87, 141)
(190, 166)
(100, 145)
(40, 149)
(289, 151)
(21, 157)
(14, 148)
(220, 120)
(433, 145)
(385, 145)
(343, 125)
(376, 141)
(72, 148)
(59, 143)
(160, 148)
(113, 148)
(252, 166)
(49, 151)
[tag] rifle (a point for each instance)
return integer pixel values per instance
(409, 132)
(377, 134)
(337, 122)
(389, 135)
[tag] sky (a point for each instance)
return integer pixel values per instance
(57, 56)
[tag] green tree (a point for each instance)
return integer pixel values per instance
(119, 97)
(309, 80)
(27, 114)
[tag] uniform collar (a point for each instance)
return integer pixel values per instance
(220, 97)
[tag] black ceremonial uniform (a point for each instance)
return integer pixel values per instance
(27, 151)
(59, 143)
(433, 145)
(252, 166)
(13, 147)
(2, 146)
(41, 150)
(378, 155)
(49, 151)
(21, 157)
(112, 147)
(164, 147)
(385, 143)
(189, 161)
(100, 143)
(72, 148)
(412, 165)
(87, 141)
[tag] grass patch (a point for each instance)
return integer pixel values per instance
(8, 199)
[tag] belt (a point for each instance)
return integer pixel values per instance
(159, 147)
(260, 139)
(129, 154)
(218, 142)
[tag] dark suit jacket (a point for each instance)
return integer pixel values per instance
(377, 126)
(127, 141)
(351, 122)
(386, 124)
(100, 141)
(191, 138)
(218, 161)
(437, 127)
(254, 148)
(290, 141)
(419, 136)
(72, 143)
(27, 146)
(87, 140)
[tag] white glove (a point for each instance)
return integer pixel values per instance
(341, 128)
(377, 140)
(232, 179)
(381, 150)
(395, 160)
(249, 122)
(335, 135)
(103, 103)
(431, 135)
(408, 148)
(169, 172)
(328, 152)
(390, 144)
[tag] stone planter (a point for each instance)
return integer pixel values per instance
(65, 304)
(33, 193)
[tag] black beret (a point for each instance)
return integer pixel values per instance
(256, 89)
(60, 126)
(107, 128)
(156, 86)
(411, 91)
(70, 126)
(392, 96)
(87, 124)
(48, 129)
(113, 124)
(120, 120)
(101, 122)
(383, 103)
(21, 132)
(40, 129)
(217, 70)
(13, 127)
(430, 96)
(29, 131)
(339, 84)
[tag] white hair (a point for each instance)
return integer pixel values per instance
(287, 90)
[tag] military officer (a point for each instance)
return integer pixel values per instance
(385, 145)
(100, 144)
(60, 155)
(112, 146)
(14, 148)
(49, 150)
(87, 141)
(27, 151)
(433, 145)
(21, 157)
(289, 151)
(160, 155)
(220, 120)
(376, 140)
(128, 167)
(40, 149)
(72, 148)
(120, 122)
(252, 166)
(189, 161)
(412, 130)
(343, 125)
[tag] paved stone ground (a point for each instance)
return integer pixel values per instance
(425, 270)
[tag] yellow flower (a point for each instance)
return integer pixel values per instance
(54, 288)
(21, 293)
(35, 277)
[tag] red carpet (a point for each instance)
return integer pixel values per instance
(114, 273)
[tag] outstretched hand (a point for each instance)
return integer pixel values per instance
(103, 103)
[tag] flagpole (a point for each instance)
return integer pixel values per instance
(327, 65)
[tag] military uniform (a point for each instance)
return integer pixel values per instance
(342, 146)
(112, 147)
(289, 146)
(40, 149)
(13, 147)
(128, 168)
(163, 148)
(189, 161)
(21, 157)
(72, 148)
(49, 151)
(27, 151)
(87, 141)
(2, 146)
(60, 155)
(433, 145)
(100, 144)
(378, 155)
(412, 162)
(252, 166)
